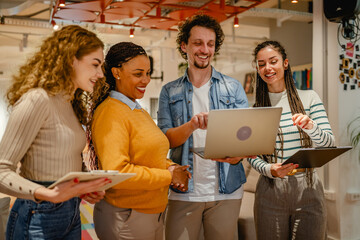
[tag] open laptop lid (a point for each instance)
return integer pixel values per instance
(241, 132)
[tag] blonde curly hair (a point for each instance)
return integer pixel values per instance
(51, 68)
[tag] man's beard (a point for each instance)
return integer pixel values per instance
(203, 66)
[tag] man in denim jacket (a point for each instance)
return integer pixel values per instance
(215, 191)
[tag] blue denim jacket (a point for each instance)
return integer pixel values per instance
(175, 109)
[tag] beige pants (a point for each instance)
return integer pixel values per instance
(123, 223)
(184, 220)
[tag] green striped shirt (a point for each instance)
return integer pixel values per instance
(321, 134)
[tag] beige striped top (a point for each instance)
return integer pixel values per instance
(44, 134)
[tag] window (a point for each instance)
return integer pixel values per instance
(154, 104)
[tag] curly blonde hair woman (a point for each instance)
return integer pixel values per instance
(51, 67)
(50, 98)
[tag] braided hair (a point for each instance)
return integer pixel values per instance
(117, 55)
(262, 99)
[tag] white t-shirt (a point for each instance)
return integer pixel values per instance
(205, 171)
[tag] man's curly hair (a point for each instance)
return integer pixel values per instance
(201, 21)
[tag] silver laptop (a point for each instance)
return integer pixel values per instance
(240, 132)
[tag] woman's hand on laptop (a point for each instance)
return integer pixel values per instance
(200, 120)
(232, 160)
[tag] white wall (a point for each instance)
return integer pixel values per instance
(349, 163)
(11, 59)
(4, 115)
(296, 37)
(166, 60)
(342, 174)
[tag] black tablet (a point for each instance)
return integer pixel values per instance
(316, 157)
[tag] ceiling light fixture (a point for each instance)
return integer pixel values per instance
(131, 33)
(294, 1)
(55, 26)
(158, 12)
(236, 22)
(61, 3)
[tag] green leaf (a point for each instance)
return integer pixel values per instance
(355, 132)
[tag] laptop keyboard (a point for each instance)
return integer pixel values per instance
(201, 152)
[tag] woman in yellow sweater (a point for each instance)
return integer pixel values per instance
(126, 139)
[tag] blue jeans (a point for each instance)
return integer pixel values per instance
(44, 220)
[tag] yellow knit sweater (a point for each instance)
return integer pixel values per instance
(129, 141)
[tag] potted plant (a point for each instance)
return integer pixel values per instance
(354, 131)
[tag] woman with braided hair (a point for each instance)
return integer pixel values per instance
(126, 139)
(50, 99)
(289, 202)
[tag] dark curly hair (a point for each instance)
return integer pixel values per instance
(201, 21)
